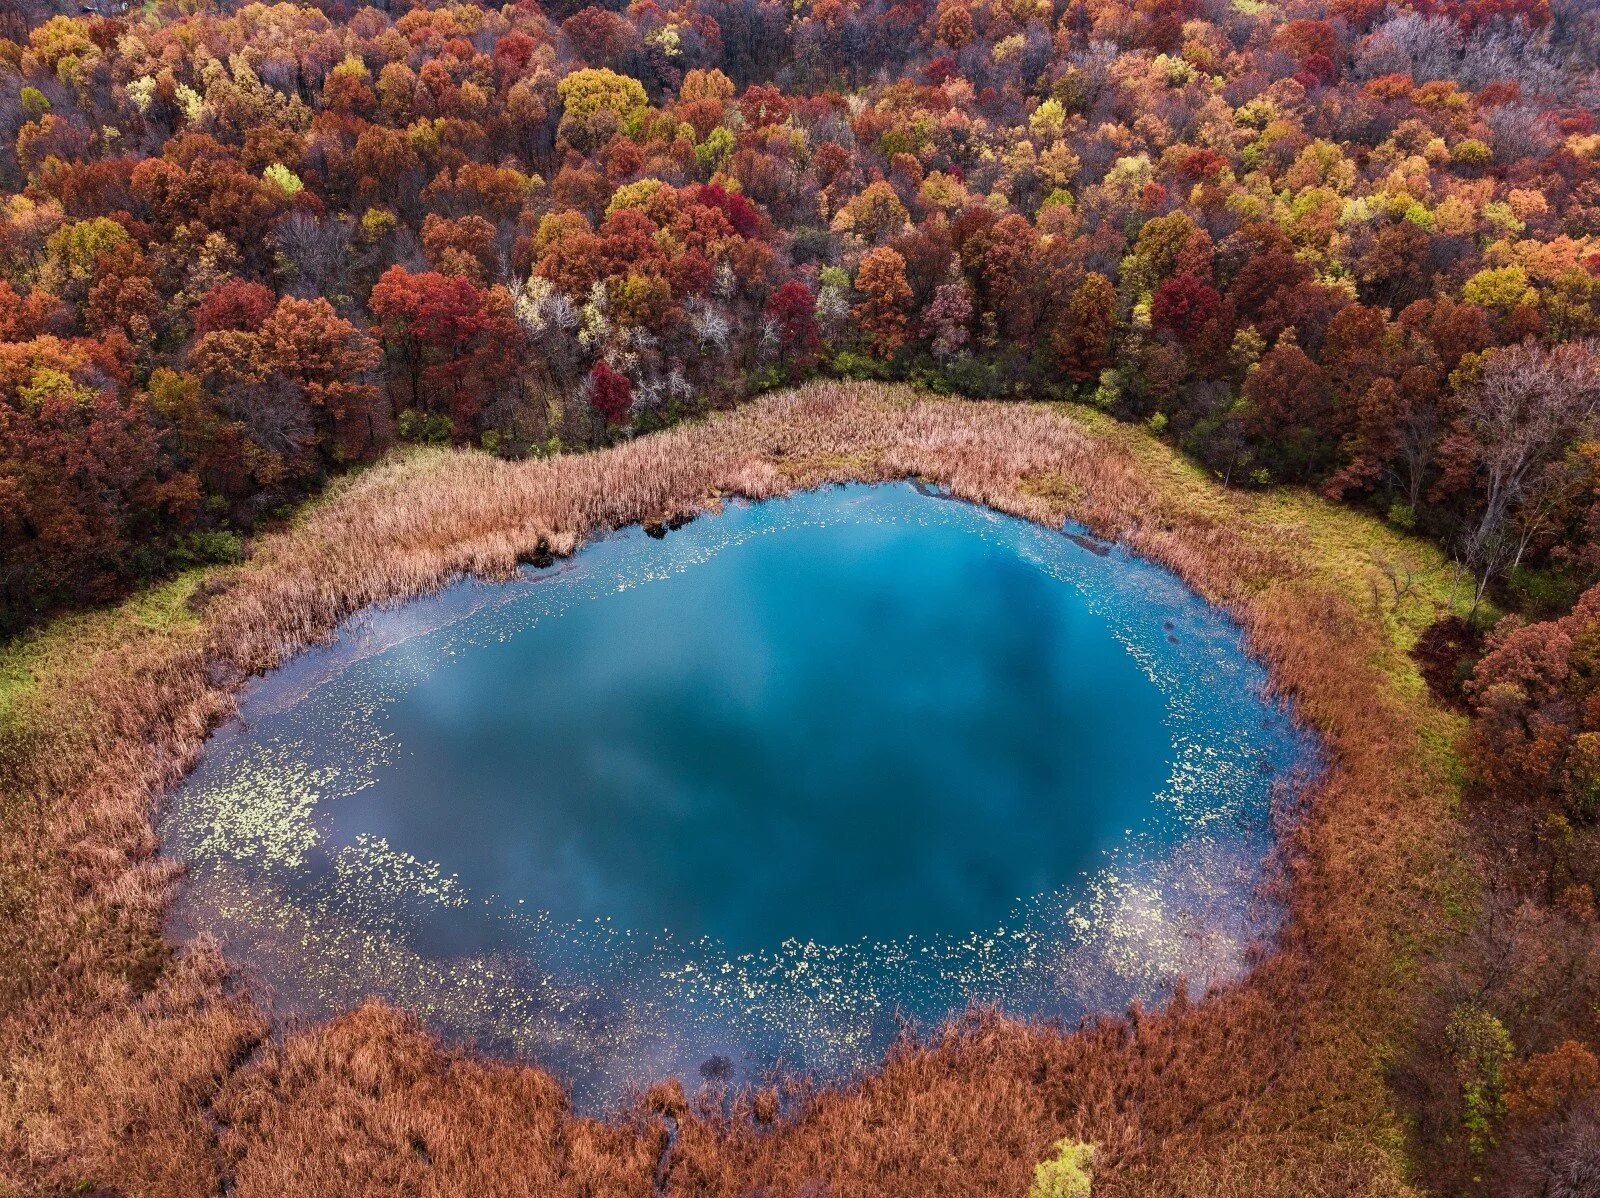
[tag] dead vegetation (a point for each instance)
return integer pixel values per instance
(135, 1070)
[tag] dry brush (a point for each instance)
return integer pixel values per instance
(136, 1068)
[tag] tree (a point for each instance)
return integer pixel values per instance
(23, 317)
(873, 215)
(1183, 305)
(437, 328)
(73, 252)
(235, 304)
(1525, 406)
(793, 307)
(1536, 739)
(1289, 413)
(743, 216)
(327, 362)
(948, 317)
(464, 246)
(886, 300)
(1082, 336)
(1005, 257)
(610, 393)
(599, 37)
(84, 486)
(595, 103)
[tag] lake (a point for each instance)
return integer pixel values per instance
(765, 791)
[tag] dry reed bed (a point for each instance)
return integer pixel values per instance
(136, 1070)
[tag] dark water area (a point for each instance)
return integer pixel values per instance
(766, 791)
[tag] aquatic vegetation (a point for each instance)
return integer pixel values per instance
(803, 773)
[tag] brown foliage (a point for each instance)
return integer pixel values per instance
(882, 314)
(1528, 968)
(1442, 651)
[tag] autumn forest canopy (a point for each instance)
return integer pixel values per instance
(1349, 245)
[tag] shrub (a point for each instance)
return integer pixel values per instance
(1068, 1174)
(425, 428)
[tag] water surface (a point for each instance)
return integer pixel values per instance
(766, 790)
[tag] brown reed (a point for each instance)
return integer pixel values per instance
(132, 1068)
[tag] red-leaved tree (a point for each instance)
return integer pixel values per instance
(610, 393)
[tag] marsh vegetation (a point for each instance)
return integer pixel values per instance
(798, 776)
(1240, 1090)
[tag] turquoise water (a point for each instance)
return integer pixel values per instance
(765, 791)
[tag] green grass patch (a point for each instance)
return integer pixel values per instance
(69, 644)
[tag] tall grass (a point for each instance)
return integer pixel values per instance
(141, 1071)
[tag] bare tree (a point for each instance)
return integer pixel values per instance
(1401, 575)
(1426, 47)
(1528, 404)
(1521, 131)
(1564, 1160)
(1514, 52)
(274, 414)
(1548, 500)
(1416, 441)
(313, 254)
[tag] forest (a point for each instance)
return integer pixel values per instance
(1351, 246)
(1347, 245)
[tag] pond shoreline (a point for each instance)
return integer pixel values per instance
(1291, 1047)
(1169, 895)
